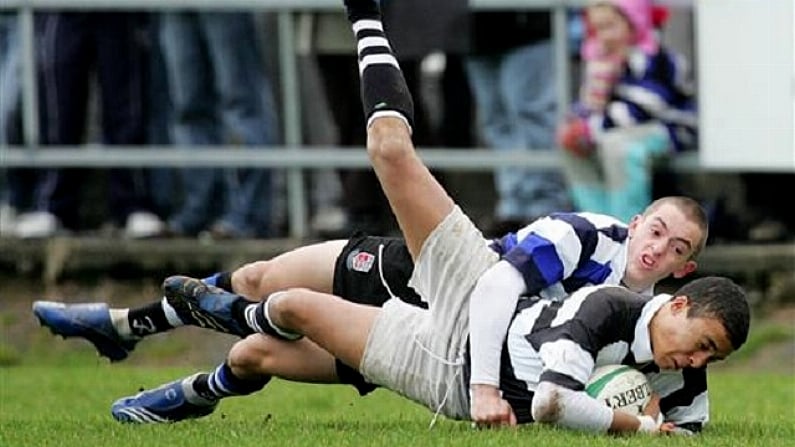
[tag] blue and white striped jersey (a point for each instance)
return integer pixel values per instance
(564, 252)
(562, 341)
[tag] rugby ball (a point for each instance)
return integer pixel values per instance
(620, 387)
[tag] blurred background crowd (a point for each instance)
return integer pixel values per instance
(480, 79)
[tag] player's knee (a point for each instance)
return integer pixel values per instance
(388, 141)
(290, 308)
(249, 358)
(249, 279)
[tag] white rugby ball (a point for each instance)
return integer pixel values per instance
(620, 387)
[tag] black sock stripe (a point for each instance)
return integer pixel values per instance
(369, 51)
(369, 32)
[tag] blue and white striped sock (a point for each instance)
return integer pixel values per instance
(258, 319)
(222, 382)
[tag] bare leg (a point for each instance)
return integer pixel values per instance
(418, 200)
(338, 326)
(311, 267)
(301, 361)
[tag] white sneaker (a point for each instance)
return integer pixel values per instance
(8, 218)
(329, 220)
(142, 224)
(35, 225)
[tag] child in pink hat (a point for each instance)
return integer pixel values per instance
(633, 107)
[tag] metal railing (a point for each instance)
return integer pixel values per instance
(292, 157)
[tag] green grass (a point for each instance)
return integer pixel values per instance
(68, 405)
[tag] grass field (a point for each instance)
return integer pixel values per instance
(62, 405)
(58, 393)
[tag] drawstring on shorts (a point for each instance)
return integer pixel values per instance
(457, 363)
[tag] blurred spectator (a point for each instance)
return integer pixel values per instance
(12, 192)
(162, 180)
(72, 47)
(635, 105)
(511, 72)
(221, 94)
(10, 87)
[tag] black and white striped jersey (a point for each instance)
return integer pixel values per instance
(564, 252)
(562, 341)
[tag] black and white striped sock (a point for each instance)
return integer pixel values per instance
(383, 87)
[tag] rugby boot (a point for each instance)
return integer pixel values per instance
(203, 305)
(90, 321)
(164, 404)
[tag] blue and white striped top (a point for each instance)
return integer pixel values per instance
(564, 252)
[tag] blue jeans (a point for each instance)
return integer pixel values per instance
(220, 93)
(10, 87)
(10, 124)
(514, 94)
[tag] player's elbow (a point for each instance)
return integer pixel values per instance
(546, 404)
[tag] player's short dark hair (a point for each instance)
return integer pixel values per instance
(722, 299)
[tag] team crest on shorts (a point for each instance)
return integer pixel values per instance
(360, 261)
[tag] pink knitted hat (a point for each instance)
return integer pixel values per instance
(641, 15)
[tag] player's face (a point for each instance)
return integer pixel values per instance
(679, 341)
(611, 29)
(661, 244)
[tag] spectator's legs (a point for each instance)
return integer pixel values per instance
(626, 156)
(10, 88)
(65, 61)
(586, 183)
(121, 67)
(514, 92)
(456, 125)
(363, 198)
(195, 119)
(527, 82)
(248, 112)
(159, 120)
(19, 182)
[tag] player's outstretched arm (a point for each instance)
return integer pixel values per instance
(418, 201)
(557, 405)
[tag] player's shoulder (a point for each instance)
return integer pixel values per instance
(584, 223)
(583, 219)
(611, 295)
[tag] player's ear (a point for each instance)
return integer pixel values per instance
(680, 303)
(688, 268)
(634, 223)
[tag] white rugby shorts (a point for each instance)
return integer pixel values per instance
(419, 353)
